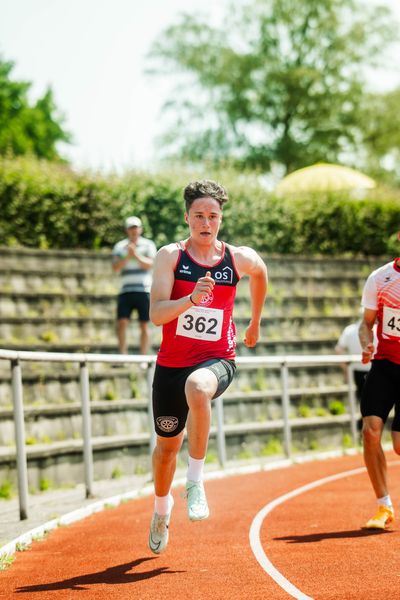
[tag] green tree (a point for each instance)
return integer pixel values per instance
(380, 127)
(27, 128)
(281, 82)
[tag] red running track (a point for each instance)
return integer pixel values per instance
(315, 541)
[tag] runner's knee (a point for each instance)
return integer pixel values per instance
(200, 387)
(372, 433)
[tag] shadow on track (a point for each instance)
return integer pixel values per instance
(331, 535)
(114, 575)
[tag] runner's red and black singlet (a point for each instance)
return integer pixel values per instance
(207, 330)
(382, 293)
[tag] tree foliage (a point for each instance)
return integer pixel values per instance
(281, 82)
(380, 116)
(27, 128)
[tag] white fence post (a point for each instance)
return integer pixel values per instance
(150, 377)
(19, 426)
(219, 405)
(352, 402)
(86, 429)
(287, 433)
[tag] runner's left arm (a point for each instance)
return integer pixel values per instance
(248, 262)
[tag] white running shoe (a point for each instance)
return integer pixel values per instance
(196, 501)
(158, 535)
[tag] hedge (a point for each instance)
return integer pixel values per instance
(45, 205)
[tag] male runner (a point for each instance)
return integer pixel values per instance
(381, 302)
(192, 297)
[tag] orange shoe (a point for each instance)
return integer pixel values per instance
(384, 516)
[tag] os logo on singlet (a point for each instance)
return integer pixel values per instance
(167, 424)
(224, 276)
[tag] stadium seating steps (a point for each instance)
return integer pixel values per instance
(65, 301)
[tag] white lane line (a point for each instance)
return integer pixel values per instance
(256, 525)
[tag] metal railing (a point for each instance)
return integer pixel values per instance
(283, 362)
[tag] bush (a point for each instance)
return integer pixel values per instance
(46, 205)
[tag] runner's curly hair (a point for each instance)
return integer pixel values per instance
(205, 188)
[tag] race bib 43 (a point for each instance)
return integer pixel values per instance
(391, 322)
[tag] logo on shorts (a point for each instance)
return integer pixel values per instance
(167, 424)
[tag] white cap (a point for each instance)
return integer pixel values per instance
(132, 222)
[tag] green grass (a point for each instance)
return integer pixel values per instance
(273, 446)
(336, 407)
(31, 441)
(140, 470)
(22, 547)
(117, 472)
(320, 411)
(245, 454)
(110, 394)
(41, 536)
(347, 441)
(304, 411)
(314, 445)
(6, 490)
(49, 336)
(211, 457)
(6, 561)
(45, 485)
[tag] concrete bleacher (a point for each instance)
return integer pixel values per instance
(65, 301)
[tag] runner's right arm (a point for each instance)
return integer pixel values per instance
(369, 301)
(162, 308)
(366, 335)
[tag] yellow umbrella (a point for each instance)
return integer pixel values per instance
(323, 177)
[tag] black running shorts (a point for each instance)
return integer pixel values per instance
(129, 301)
(381, 392)
(170, 407)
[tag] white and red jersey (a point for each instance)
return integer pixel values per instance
(206, 330)
(382, 293)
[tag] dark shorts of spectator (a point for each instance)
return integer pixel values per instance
(129, 301)
(170, 408)
(381, 392)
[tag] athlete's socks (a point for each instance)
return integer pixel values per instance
(195, 469)
(163, 504)
(384, 501)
